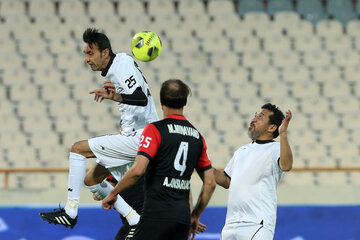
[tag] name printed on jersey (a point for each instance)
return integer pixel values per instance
(177, 183)
(183, 130)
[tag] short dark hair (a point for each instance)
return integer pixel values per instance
(94, 36)
(174, 93)
(275, 118)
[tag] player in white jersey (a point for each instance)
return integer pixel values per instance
(252, 176)
(115, 154)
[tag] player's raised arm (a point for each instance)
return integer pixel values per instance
(286, 157)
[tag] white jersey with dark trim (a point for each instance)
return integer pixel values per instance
(255, 174)
(126, 77)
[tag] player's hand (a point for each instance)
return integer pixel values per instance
(201, 228)
(285, 123)
(194, 226)
(109, 201)
(109, 86)
(96, 198)
(101, 94)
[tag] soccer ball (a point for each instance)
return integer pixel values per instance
(146, 46)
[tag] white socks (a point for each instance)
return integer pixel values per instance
(103, 189)
(77, 172)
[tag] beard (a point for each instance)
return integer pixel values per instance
(253, 134)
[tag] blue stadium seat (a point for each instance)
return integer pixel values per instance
(334, 6)
(275, 6)
(246, 6)
(344, 16)
(311, 10)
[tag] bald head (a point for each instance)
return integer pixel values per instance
(174, 93)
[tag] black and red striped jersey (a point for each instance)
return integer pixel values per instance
(174, 147)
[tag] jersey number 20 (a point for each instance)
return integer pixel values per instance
(181, 155)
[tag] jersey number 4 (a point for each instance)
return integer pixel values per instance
(181, 157)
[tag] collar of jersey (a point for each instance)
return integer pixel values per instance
(263, 141)
(105, 71)
(175, 116)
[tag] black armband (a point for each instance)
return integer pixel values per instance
(137, 98)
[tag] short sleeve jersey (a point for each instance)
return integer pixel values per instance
(174, 148)
(255, 174)
(126, 76)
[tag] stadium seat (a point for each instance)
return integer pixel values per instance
(246, 44)
(285, 59)
(63, 45)
(338, 43)
(246, 6)
(345, 105)
(31, 107)
(255, 59)
(54, 92)
(346, 58)
(233, 74)
(332, 178)
(12, 77)
(65, 124)
(32, 124)
(273, 89)
(299, 179)
(53, 156)
(275, 6)
(296, 73)
(311, 10)
(317, 58)
(65, 61)
(286, 18)
(334, 139)
(326, 74)
(324, 121)
(350, 120)
(336, 89)
(215, 44)
(7, 45)
(265, 74)
(130, 7)
(107, 8)
(46, 76)
(189, 60)
(101, 124)
(91, 108)
(219, 105)
(276, 44)
(241, 90)
(307, 43)
(351, 74)
(6, 107)
(9, 140)
(223, 59)
(269, 29)
(69, 8)
(353, 28)
(171, 72)
(33, 45)
(39, 61)
(300, 29)
(23, 91)
(304, 89)
(334, 6)
(41, 7)
(255, 19)
(9, 124)
(22, 157)
(225, 7)
(11, 8)
(314, 104)
(185, 44)
(327, 27)
(344, 16)
(44, 139)
(65, 107)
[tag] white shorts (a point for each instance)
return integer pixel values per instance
(115, 150)
(246, 231)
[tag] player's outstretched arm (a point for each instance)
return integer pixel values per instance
(129, 179)
(286, 157)
(221, 178)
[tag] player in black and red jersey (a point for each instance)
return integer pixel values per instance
(169, 151)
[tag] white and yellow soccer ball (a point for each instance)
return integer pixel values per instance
(146, 46)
